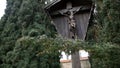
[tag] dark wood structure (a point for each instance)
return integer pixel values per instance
(71, 19)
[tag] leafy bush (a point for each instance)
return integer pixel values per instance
(30, 52)
(105, 56)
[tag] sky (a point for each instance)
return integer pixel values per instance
(2, 7)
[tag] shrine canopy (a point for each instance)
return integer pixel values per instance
(61, 4)
(62, 11)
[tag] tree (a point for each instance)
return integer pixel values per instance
(24, 22)
(108, 20)
(23, 18)
(106, 29)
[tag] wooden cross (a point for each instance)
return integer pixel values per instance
(69, 12)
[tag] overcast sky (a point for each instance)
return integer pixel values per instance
(2, 7)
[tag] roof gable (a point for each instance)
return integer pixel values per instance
(61, 4)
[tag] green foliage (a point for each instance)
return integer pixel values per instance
(24, 18)
(105, 56)
(108, 20)
(31, 52)
(105, 30)
(22, 46)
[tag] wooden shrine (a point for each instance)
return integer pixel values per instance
(71, 19)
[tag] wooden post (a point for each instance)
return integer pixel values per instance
(72, 27)
(76, 60)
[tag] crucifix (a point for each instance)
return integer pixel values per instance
(69, 13)
(71, 19)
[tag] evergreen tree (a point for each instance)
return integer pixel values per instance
(23, 18)
(108, 19)
(106, 30)
(105, 27)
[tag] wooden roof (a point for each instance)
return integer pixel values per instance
(61, 4)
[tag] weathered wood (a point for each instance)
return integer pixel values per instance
(61, 4)
(77, 9)
(82, 22)
(62, 26)
(76, 60)
(71, 18)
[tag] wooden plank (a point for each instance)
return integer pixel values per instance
(82, 21)
(62, 26)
